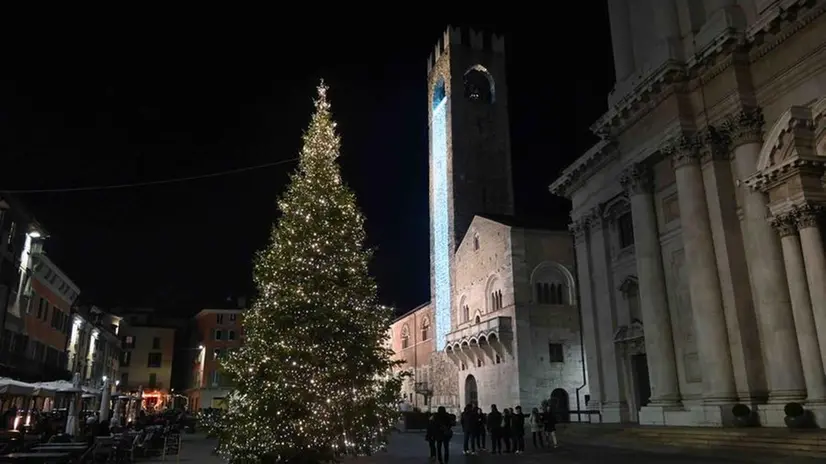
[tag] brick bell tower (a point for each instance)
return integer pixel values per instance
(470, 158)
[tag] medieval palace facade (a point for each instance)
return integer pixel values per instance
(697, 218)
(502, 326)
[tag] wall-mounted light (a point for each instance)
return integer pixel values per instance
(34, 234)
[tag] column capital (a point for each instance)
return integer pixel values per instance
(715, 145)
(683, 150)
(637, 179)
(807, 215)
(745, 126)
(594, 219)
(579, 229)
(784, 224)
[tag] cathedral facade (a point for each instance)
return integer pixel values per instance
(697, 217)
(503, 313)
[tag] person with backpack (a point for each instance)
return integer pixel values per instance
(444, 432)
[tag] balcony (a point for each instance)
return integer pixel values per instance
(21, 367)
(485, 340)
(422, 388)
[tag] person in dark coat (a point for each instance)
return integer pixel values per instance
(518, 430)
(481, 426)
(469, 424)
(549, 426)
(430, 435)
(495, 427)
(444, 432)
(507, 431)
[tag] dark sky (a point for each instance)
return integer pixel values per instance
(77, 115)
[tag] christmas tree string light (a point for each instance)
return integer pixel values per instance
(314, 377)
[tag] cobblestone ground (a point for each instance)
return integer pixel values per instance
(409, 448)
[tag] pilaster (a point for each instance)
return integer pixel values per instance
(659, 342)
(743, 334)
(801, 305)
(807, 217)
(614, 407)
(704, 282)
(766, 267)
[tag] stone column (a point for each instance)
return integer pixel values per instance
(590, 330)
(801, 302)
(811, 243)
(614, 406)
(659, 341)
(770, 290)
(703, 281)
(621, 38)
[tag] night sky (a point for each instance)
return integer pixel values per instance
(80, 115)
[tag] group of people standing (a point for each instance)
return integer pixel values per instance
(507, 430)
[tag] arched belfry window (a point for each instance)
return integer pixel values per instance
(479, 85)
(552, 284)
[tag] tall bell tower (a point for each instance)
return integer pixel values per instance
(470, 158)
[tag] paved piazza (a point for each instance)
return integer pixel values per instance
(411, 448)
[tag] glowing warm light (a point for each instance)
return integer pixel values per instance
(439, 218)
(311, 375)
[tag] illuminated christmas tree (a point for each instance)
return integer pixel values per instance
(313, 378)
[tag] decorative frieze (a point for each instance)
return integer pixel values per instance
(595, 219)
(637, 179)
(745, 127)
(807, 215)
(683, 150)
(784, 224)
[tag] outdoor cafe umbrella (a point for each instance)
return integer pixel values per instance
(71, 420)
(104, 400)
(116, 411)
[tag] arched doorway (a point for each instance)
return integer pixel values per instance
(471, 391)
(560, 405)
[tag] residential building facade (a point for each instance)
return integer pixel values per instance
(94, 348)
(697, 217)
(218, 332)
(146, 362)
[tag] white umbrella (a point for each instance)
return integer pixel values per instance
(116, 412)
(71, 420)
(104, 400)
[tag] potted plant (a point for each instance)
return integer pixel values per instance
(796, 416)
(743, 415)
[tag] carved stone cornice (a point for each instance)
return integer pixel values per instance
(637, 179)
(715, 145)
(744, 127)
(683, 150)
(784, 224)
(807, 215)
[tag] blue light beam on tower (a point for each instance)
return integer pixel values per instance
(440, 217)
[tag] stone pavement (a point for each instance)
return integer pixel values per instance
(409, 448)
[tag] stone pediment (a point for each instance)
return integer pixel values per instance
(630, 332)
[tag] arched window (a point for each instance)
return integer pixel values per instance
(425, 328)
(493, 292)
(552, 284)
(405, 336)
(479, 85)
